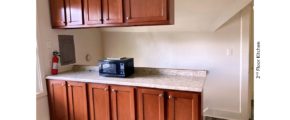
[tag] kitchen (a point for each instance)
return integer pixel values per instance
(206, 35)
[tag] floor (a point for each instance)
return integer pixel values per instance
(211, 118)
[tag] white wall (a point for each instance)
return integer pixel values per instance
(87, 41)
(226, 89)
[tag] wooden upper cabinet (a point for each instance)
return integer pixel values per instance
(113, 11)
(146, 10)
(57, 95)
(77, 101)
(184, 106)
(57, 13)
(74, 12)
(93, 12)
(150, 104)
(99, 102)
(102, 13)
(122, 103)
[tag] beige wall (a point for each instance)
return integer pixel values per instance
(226, 89)
(87, 41)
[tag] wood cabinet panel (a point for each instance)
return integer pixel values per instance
(68, 101)
(150, 104)
(184, 106)
(99, 102)
(122, 103)
(57, 94)
(113, 11)
(93, 12)
(146, 10)
(77, 101)
(110, 13)
(57, 13)
(74, 12)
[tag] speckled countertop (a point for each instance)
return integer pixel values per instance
(172, 79)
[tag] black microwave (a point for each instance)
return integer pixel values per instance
(121, 67)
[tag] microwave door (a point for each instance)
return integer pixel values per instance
(109, 68)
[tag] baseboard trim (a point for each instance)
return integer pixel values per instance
(229, 115)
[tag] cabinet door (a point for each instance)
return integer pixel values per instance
(99, 102)
(74, 12)
(57, 95)
(122, 102)
(93, 12)
(77, 101)
(150, 104)
(113, 11)
(57, 13)
(146, 10)
(184, 106)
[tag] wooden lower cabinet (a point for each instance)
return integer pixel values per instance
(183, 106)
(77, 99)
(67, 101)
(57, 94)
(122, 103)
(111, 102)
(99, 102)
(150, 104)
(83, 101)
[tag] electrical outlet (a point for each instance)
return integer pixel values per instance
(229, 52)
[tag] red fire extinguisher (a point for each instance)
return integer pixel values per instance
(54, 69)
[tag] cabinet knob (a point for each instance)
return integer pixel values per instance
(160, 95)
(127, 18)
(169, 96)
(113, 90)
(69, 85)
(105, 89)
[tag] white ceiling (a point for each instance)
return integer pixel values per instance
(195, 15)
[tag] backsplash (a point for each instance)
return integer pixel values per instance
(152, 71)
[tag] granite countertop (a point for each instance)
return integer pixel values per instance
(172, 79)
